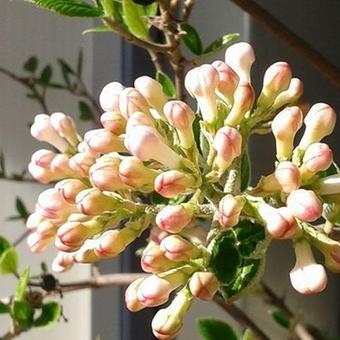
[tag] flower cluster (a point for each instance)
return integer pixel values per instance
(157, 165)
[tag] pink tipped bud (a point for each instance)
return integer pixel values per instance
(285, 126)
(130, 101)
(173, 218)
(109, 97)
(40, 174)
(307, 277)
(131, 296)
(228, 81)
(289, 96)
(203, 285)
(176, 248)
(280, 223)
(34, 220)
(103, 141)
(269, 183)
(152, 91)
(84, 148)
(240, 57)
(86, 253)
(43, 131)
(288, 176)
(70, 188)
(80, 164)
(201, 82)
(304, 205)
(60, 166)
(134, 173)
(38, 242)
(230, 208)
(318, 157)
(43, 158)
(144, 142)
(320, 122)
(243, 102)
(62, 262)
(113, 122)
(172, 183)
(66, 127)
(139, 119)
(228, 144)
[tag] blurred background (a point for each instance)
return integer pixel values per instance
(26, 31)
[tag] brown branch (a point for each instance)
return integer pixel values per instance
(310, 54)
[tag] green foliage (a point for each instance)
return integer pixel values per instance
(86, 113)
(46, 75)
(8, 257)
(4, 309)
(248, 335)
(118, 13)
(23, 313)
(332, 170)
(21, 208)
(221, 43)
(213, 329)
(168, 85)
(31, 64)
(98, 29)
(191, 39)
(237, 258)
(20, 292)
(245, 170)
(280, 317)
(72, 8)
(50, 313)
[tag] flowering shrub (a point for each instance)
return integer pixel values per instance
(157, 165)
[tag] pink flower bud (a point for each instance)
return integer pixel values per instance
(43, 131)
(103, 141)
(243, 102)
(43, 158)
(113, 122)
(173, 218)
(228, 81)
(144, 142)
(70, 188)
(203, 285)
(307, 277)
(84, 148)
(318, 157)
(240, 57)
(172, 183)
(176, 248)
(109, 97)
(181, 117)
(135, 174)
(280, 223)
(152, 91)
(139, 119)
(86, 253)
(304, 205)
(62, 262)
(320, 122)
(41, 225)
(269, 183)
(60, 166)
(40, 174)
(130, 101)
(201, 82)
(285, 126)
(228, 144)
(34, 220)
(66, 127)
(230, 208)
(38, 242)
(80, 164)
(289, 96)
(288, 176)
(131, 296)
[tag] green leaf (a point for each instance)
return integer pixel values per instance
(85, 111)
(70, 8)
(168, 85)
(248, 335)
(118, 13)
(98, 29)
(221, 43)
(151, 10)
(50, 313)
(21, 208)
(66, 71)
(156, 198)
(191, 39)
(9, 261)
(46, 75)
(332, 170)
(213, 329)
(31, 64)
(244, 247)
(134, 18)
(22, 313)
(4, 245)
(4, 309)
(20, 292)
(280, 317)
(245, 170)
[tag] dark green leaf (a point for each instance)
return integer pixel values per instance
(156, 198)
(70, 8)
(20, 292)
(50, 313)
(8, 261)
(134, 18)
(80, 63)
(22, 313)
(66, 71)
(332, 170)
(168, 85)
(4, 245)
(98, 29)
(4, 309)
(191, 39)
(46, 75)
(21, 208)
(118, 13)
(31, 64)
(221, 43)
(245, 170)
(280, 317)
(85, 111)
(213, 329)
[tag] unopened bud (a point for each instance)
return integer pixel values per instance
(131, 296)
(109, 97)
(70, 188)
(61, 167)
(38, 242)
(86, 253)
(66, 127)
(43, 158)
(288, 176)
(230, 208)
(113, 122)
(62, 262)
(80, 164)
(42, 175)
(289, 96)
(139, 119)
(130, 101)
(176, 248)
(203, 285)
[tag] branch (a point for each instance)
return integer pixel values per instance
(310, 54)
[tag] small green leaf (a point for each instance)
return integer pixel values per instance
(20, 292)
(4, 309)
(22, 313)
(31, 64)
(46, 75)
(8, 261)
(280, 317)
(118, 13)
(245, 170)
(332, 170)
(168, 85)
(151, 10)
(85, 111)
(248, 335)
(21, 208)
(134, 18)
(156, 198)
(191, 39)
(213, 329)
(221, 43)
(70, 8)
(4, 245)
(50, 313)
(66, 71)
(98, 29)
